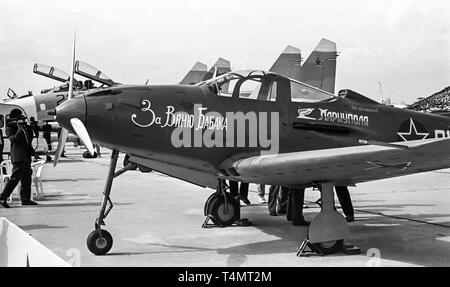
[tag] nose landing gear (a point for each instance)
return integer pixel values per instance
(100, 241)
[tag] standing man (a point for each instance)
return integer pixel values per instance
(346, 202)
(2, 143)
(261, 192)
(295, 206)
(35, 128)
(278, 200)
(239, 192)
(47, 135)
(20, 135)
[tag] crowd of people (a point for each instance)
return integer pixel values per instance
(289, 201)
(436, 102)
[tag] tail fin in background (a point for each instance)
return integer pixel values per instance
(222, 65)
(195, 75)
(319, 70)
(288, 63)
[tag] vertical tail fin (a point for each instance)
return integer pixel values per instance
(221, 66)
(319, 70)
(195, 75)
(288, 63)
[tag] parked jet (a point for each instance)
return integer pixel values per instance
(200, 73)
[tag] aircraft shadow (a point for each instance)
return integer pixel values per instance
(69, 179)
(77, 204)
(40, 226)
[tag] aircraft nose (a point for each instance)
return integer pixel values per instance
(73, 108)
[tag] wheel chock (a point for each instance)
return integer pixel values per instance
(207, 224)
(306, 248)
(210, 222)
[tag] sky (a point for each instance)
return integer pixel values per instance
(404, 44)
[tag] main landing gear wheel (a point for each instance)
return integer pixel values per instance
(329, 247)
(329, 229)
(222, 214)
(86, 154)
(99, 242)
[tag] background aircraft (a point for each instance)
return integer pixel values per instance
(199, 72)
(319, 69)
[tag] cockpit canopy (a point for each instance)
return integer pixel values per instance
(51, 72)
(90, 72)
(261, 85)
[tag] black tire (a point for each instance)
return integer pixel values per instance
(144, 169)
(217, 210)
(97, 245)
(330, 247)
(126, 161)
(207, 207)
(86, 154)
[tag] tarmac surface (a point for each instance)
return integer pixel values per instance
(156, 221)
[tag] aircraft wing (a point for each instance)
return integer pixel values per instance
(343, 166)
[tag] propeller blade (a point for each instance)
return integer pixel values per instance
(82, 133)
(61, 143)
(72, 66)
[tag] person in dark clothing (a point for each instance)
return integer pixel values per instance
(243, 192)
(295, 206)
(346, 202)
(34, 127)
(278, 199)
(2, 142)
(20, 135)
(47, 135)
(240, 192)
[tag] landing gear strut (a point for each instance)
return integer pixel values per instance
(329, 229)
(100, 241)
(222, 208)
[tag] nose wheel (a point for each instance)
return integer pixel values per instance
(99, 242)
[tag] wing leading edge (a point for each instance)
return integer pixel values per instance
(344, 166)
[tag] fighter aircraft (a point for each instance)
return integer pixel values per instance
(199, 72)
(285, 133)
(37, 106)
